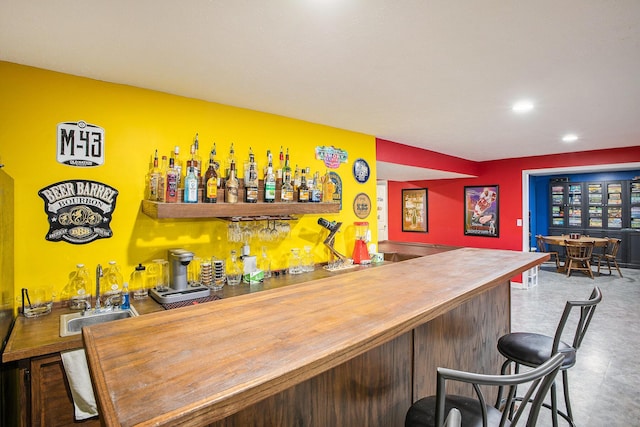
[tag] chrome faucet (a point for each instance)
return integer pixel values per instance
(98, 276)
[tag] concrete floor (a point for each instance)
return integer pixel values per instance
(604, 384)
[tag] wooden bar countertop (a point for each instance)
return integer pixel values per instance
(198, 364)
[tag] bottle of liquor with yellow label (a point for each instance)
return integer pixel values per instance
(232, 185)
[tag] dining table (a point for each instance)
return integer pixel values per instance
(559, 240)
(598, 242)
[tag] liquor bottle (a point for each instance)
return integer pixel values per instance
(154, 180)
(316, 189)
(247, 166)
(328, 188)
(279, 173)
(162, 180)
(303, 189)
(216, 166)
(196, 160)
(232, 184)
(296, 179)
(269, 184)
(172, 183)
(286, 194)
(251, 181)
(177, 164)
(266, 165)
(230, 159)
(287, 166)
(211, 181)
(191, 186)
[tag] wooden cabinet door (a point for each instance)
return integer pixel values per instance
(51, 402)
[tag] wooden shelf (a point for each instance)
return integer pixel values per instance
(159, 210)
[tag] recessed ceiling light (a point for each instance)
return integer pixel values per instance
(523, 106)
(570, 137)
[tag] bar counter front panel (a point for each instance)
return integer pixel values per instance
(351, 350)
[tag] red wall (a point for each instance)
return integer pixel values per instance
(445, 197)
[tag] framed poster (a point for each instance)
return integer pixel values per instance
(414, 210)
(481, 217)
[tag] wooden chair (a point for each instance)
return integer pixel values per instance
(579, 256)
(542, 247)
(609, 255)
(430, 411)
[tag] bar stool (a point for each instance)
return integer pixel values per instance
(531, 349)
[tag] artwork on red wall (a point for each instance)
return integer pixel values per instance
(481, 211)
(414, 210)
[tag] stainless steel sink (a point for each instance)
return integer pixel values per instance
(72, 324)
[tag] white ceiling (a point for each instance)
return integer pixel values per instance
(436, 74)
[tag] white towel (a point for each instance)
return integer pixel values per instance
(77, 370)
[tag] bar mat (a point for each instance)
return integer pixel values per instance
(195, 301)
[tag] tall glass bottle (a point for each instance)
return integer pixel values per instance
(286, 194)
(316, 190)
(279, 172)
(296, 179)
(162, 180)
(154, 180)
(303, 189)
(211, 181)
(251, 180)
(177, 164)
(269, 184)
(191, 186)
(172, 183)
(232, 185)
(112, 288)
(230, 159)
(196, 160)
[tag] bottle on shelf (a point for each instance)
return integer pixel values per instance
(191, 186)
(154, 180)
(316, 189)
(232, 185)
(266, 165)
(172, 183)
(196, 160)
(251, 180)
(162, 180)
(230, 159)
(279, 173)
(328, 188)
(177, 164)
(211, 181)
(269, 184)
(303, 189)
(296, 178)
(286, 194)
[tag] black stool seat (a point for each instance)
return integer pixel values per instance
(533, 350)
(423, 412)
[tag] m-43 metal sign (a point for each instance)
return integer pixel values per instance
(80, 144)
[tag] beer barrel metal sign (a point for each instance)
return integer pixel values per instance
(80, 144)
(79, 211)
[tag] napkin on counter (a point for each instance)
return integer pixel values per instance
(77, 370)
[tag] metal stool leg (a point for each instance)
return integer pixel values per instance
(554, 405)
(565, 383)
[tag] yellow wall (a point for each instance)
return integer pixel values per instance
(136, 122)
